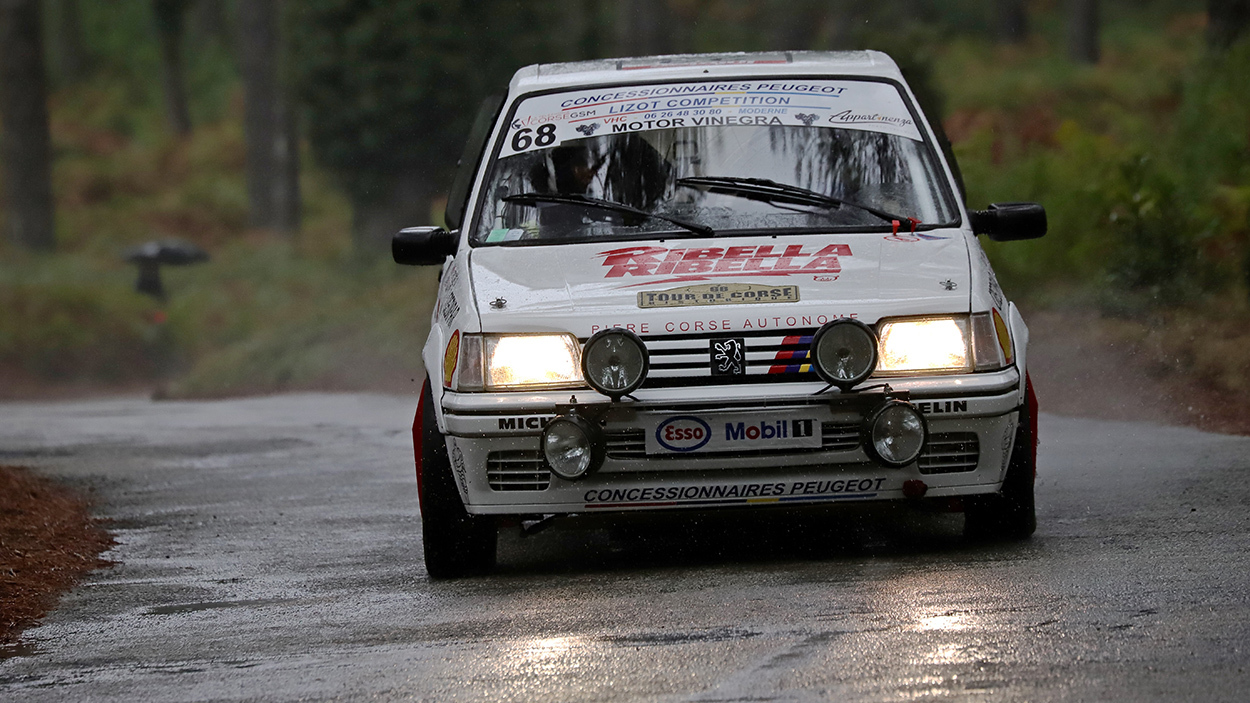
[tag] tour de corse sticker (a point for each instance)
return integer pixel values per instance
(717, 294)
(546, 120)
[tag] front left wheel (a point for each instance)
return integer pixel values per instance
(456, 543)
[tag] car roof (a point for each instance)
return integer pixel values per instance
(645, 69)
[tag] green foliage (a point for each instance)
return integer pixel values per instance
(70, 318)
(264, 319)
(1134, 159)
(390, 88)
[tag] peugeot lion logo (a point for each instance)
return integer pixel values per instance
(728, 357)
(805, 118)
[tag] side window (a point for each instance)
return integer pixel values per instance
(458, 194)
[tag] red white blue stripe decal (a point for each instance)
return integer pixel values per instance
(793, 355)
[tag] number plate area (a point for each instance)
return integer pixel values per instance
(709, 433)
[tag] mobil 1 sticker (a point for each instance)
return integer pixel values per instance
(547, 120)
(729, 432)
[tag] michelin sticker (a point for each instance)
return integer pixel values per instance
(547, 120)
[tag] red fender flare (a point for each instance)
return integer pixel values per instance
(417, 443)
(1031, 398)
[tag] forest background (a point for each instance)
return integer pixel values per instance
(290, 139)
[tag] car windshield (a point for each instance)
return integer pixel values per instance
(689, 159)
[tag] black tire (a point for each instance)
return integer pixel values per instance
(1011, 513)
(455, 543)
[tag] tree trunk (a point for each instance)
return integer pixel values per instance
(1083, 30)
(169, 15)
(70, 53)
(1013, 21)
(1226, 22)
(269, 121)
(25, 153)
(287, 201)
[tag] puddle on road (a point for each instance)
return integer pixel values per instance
(18, 649)
(215, 605)
(648, 639)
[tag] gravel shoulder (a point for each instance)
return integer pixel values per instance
(1084, 365)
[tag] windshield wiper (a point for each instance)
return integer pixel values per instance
(575, 199)
(772, 192)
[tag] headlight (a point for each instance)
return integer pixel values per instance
(895, 433)
(573, 446)
(844, 352)
(615, 362)
(499, 362)
(924, 345)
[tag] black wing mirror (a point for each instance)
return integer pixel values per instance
(1008, 222)
(423, 246)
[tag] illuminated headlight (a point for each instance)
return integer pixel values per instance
(895, 433)
(501, 362)
(844, 352)
(572, 446)
(615, 362)
(924, 345)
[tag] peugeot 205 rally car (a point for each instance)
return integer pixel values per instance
(709, 282)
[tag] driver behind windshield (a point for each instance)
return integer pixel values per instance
(568, 170)
(630, 172)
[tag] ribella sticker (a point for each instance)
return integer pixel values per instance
(450, 357)
(718, 294)
(702, 263)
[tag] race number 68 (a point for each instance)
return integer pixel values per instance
(545, 136)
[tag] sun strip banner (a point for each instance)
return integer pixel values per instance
(548, 120)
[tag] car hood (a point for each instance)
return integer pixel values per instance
(661, 287)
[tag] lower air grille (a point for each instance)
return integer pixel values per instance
(950, 453)
(632, 444)
(839, 438)
(627, 444)
(517, 470)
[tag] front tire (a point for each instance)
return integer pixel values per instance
(455, 543)
(1011, 513)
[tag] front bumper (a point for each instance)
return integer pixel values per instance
(494, 444)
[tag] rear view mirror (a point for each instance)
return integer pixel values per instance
(423, 246)
(1008, 222)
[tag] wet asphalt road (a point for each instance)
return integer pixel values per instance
(269, 549)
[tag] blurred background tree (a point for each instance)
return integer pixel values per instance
(169, 15)
(269, 118)
(24, 143)
(390, 89)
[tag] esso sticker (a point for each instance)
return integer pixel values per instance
(684, 433)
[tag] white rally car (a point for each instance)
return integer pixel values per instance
(715, 281)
